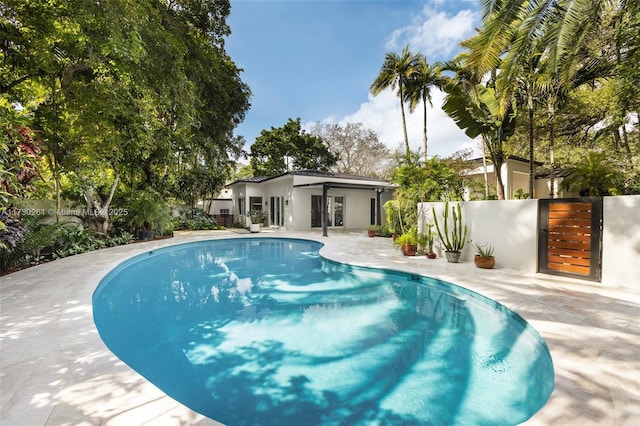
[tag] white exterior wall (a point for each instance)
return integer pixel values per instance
(301, 214)
(297, 209)
(517, 178)
(217, 204)
(357, 207)
(542, 189)
(280, 188)
(512, 228)
(621, 241)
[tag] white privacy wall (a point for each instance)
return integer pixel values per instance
(511, 227)
(621, 241)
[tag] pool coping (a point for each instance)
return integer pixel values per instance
(55, 370)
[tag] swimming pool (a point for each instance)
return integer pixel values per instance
(263, 331)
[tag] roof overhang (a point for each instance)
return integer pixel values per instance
(340, 185)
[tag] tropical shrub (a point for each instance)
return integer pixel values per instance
(196, 219)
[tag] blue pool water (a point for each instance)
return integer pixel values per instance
(263, 331)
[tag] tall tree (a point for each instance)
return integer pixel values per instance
(358, 149)
(418, 90)
(95, 76)
(511, 27)
(479, 114)
(397, 70)
(286, 148)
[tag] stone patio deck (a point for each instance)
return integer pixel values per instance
(55, 369)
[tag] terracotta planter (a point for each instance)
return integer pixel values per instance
(432, 255)
(409, 249)
(371, 232)
(453, 256)
(484, 262)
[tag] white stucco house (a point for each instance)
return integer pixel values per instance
(515, 177)
(302, 200)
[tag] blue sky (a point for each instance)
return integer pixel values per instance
(315, 59)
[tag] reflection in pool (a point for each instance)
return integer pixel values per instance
(263, 331)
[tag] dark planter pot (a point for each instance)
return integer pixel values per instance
(371, 232)
(484, 262)
(432, 255)
(453, 256)
(145, 235)
(409, 249)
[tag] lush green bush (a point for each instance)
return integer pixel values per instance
(45, 242)
(148, 212)
(196, 219)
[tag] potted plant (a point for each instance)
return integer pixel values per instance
(452, 239)
(484, 256)
(372, 229)
(408, 242)
(148, 214)
(426, 241)
(383, 231)
(257, 219)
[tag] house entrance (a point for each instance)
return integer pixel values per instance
(335, 211)
(570, 237)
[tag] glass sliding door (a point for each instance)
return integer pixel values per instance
(277, 211)
(335, 211)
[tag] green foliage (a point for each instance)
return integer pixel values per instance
(436, 180)
(195, 219)
(397, 70)
(395, 213)
(410, 237)
(12, 231)
(426, 239)
(594, 175)
(453, 239)
(520, 195)
(382, 231)
(479, 113)
(484, 250)
(279, 150)
(45, 242)
(148, 212)
(379, 230)
(94, 76)
(19, 153)
(257, 216)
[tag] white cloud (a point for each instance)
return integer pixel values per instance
(382, 115)
(433, 33)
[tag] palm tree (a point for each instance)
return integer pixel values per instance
(477, 112)
(594, 176)
(396, 70)
(511, 27)
(419, 90)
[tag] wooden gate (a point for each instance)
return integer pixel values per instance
(570, 237)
